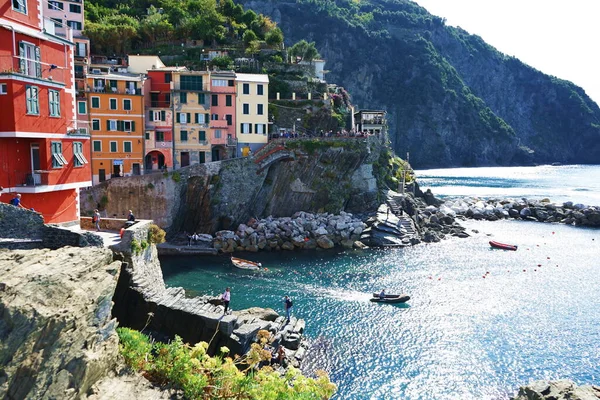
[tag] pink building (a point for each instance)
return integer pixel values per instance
(222, 115)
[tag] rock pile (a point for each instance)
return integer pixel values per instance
(557, 390)
(301, 231)
(528, 210)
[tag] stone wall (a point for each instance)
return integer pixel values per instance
(58, 336)
(17, 222)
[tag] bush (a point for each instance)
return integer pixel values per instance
(155, 234)
(136, 248)
(176, 176)
(201, 376)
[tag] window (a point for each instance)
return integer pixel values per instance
(54, 102)
(259, 90)
(246, 88)
(76, 25)
(154, 100)
(159, 136)
(259, 128)
(127, 104)
(113, 147)
(228, 100)
(81, 107)
(219, 82)
(33, 101)
(201, 98)
(95, 102)
(215, 100)
(82, 131)
(112, 104)
(229, 119)
(168, 100)
(20, 6)
(202, 136)
(183, 136)
(158, 115)
(246, 109)
(183, 97)
(57, 157)
(230, 83)
(111, 125)
(128, 126)
(147, 135)
(97, 145)
(201, 118)
(75, 8)
(95, 124)
(29, 59)
(214, 117)
(259, 109)
(168, 77)
(127, 147)
(183, 118)
(78, 157)
(3, 88)
(191, 82)
(56, 5)
(246, 128)
(202, 157)
(217, 134)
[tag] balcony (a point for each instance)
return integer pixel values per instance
(26, 67)
(115, 90)
(191, 87)
(152, 145)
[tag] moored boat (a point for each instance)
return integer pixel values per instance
(245, 264)
(390, 298)
(503, 246)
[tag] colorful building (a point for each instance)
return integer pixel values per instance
(43, 156)
(223, 138)
(115, 104)
(191, 111)
(252, 117)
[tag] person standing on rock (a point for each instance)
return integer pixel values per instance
(226, 297)
(96, 220)
(287, 304)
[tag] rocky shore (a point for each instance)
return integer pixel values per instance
(522, 209)
(557, 390)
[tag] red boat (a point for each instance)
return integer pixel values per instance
(503, 246)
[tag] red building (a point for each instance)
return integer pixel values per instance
(43, 156)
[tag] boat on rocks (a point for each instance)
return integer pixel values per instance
(503, 246)
(390, 298)
(245, 264)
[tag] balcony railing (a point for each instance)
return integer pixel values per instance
(27, 67)
(108, 89)
(160, 104)
(192, 87)
(374, 121)
(152, 144)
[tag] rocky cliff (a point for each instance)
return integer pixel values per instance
(319, 175)
(58, 335)
(452, 100)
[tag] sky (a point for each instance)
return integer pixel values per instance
(557, 37)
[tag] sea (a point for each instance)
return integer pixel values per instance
(480, 322)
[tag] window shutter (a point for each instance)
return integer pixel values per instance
(38, 65)
(177, 117)
(189, 118)
(202, 136)
(241, 128)
(151, 115)
(250, 128)
(108, 125)
(163, 115)
(206, 118)
(196, 115)
(132, 126)
(22, 55)
(256, 128)
(120, 126)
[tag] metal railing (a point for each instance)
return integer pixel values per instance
(27, 67)
(114, 90)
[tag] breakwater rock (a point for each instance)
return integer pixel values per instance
(524, 209)
(57, 334)
(557, 390)
(301, 231)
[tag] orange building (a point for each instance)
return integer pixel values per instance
(43, 156)
(115, 104)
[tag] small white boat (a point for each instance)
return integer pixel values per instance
(245, 264)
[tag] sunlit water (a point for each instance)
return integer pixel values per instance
(535, 315)
(578, 183)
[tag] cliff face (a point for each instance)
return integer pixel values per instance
(312, 176)
(452, 100)
(58, 336)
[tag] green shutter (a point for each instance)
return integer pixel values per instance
(107, 125)
(163, 115)
(120, 126)
(189, 118)
(151, 115)
(177, 117)
(196, 117)
(250, 127)
(132, 126)
(202, 136)
(241, 128)
(207, 118)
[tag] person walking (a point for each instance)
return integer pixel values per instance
(226, 297)
(96, 220)
(287, 303)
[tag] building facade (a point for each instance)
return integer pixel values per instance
(115, 103)
(190, 95)
(371, 122)
(252, 116)
(223, 138)
(43, 156)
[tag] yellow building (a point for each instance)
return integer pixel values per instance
(190, 97)
(252, 113)
(115, 103)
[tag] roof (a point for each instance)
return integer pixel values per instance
(260, 78)
(167, 69)
(371, 111)
(118, 76)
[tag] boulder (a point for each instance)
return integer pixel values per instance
(557, 390)
(325, 242)
(287, 246)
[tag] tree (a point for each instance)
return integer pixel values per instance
(155, 26)
(304, 51)
(249, 37)
(274, 37)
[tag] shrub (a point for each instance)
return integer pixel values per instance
(176, 176)
(135, 348)
(103, 202)
(136, 248)
(155, 234)
(144, 244)
(150, 185)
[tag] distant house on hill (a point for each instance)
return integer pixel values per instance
(370, 121)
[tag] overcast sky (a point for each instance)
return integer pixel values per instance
(557, 37)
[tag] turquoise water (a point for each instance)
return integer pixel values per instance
(578, 183)
(462, 336)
